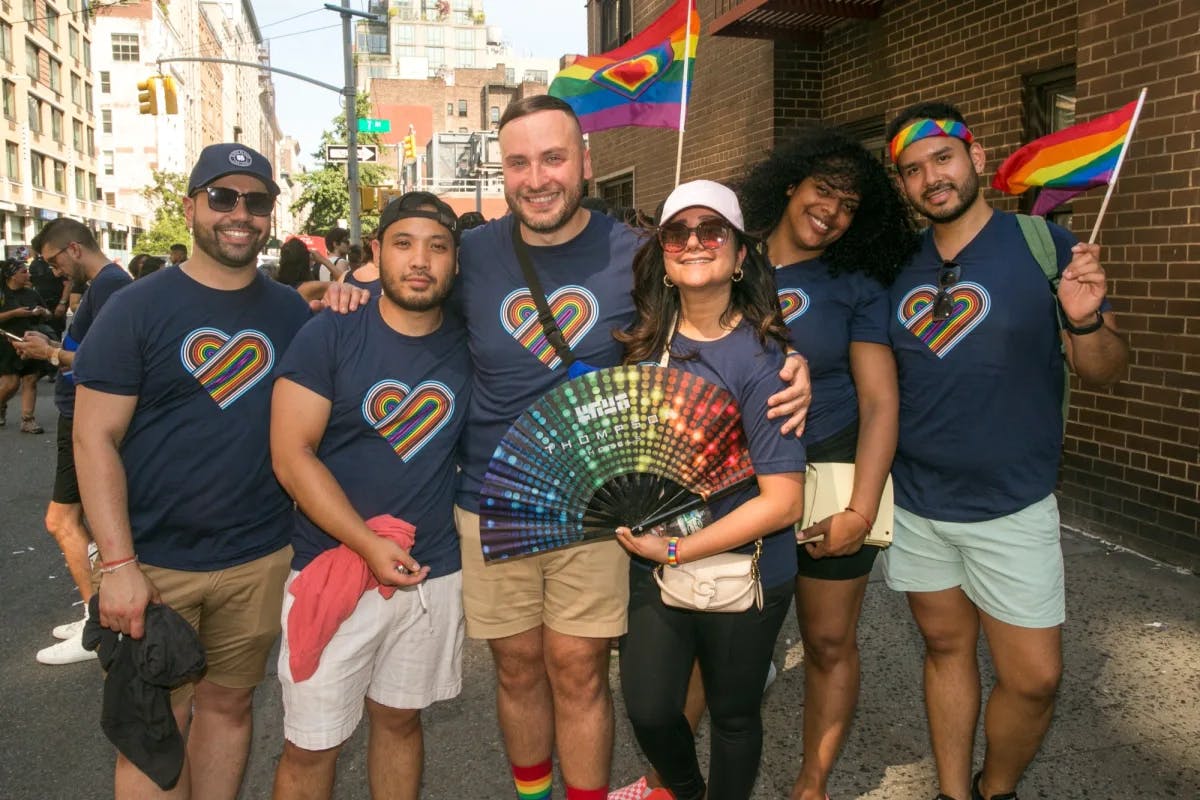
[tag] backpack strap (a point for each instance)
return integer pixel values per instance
(1041, 245)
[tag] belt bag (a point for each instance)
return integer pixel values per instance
(828, 486)
(726, 582)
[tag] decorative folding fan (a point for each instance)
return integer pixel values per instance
(631, 446)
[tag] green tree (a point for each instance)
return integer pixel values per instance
(165, 195)
(325, 197)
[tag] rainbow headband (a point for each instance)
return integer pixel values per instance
(923, 129)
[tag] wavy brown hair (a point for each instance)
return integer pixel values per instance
(657, 305)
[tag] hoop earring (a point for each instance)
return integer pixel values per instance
(738, 274)
(667, 282)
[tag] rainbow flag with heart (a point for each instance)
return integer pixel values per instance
(1070, 161)
(644, 82)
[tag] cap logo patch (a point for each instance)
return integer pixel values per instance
(240, 158)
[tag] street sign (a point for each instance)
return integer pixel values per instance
(341, 152)
(374, 125)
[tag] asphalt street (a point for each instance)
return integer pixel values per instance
(1127, 723)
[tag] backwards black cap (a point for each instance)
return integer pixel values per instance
(419, 204)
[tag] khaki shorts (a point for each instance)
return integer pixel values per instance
(235, 611)
(577, 591)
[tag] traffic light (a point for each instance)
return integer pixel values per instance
(170, 99)
(370, 197)
(148, 96)
(410, 147)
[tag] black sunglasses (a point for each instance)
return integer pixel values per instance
(943, 304)
(711, 233)
(224, 200)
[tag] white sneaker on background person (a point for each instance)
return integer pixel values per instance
(68, 651)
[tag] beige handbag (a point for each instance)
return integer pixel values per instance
(828, 486)
(726, 582)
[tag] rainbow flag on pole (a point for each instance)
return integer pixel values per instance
(645, 81)
(1069, 161)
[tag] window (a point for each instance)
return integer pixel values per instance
(56, 125)
(12, 158)
(60, 177)
(33, 64)
(435, 36)
(125, 47)
(52, 24)
(56, 76)
(77, 135)
(92, 195)
(870, 133)
(87, 48)
(35, 114)
(106, 120)
(466, 58)
(29, 7)
(10, 100)
(87, 97)
(406, 34)
(105, 81)
(73, 42)
(406, 49)
(536, 75)
(118, 240)
(6, 51)
(618, 191)
(37, 170)
(75, 88)
(616, 24)
(462, 108)
(449, 109)
(107, 158)
(510, 76)
(436, 56)
(464, 38)
(494, 115)
(1049, 106)
(79, 183)
(91, 140)
(373, 38)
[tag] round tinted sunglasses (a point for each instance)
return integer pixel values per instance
(223, 200)
(711, 234)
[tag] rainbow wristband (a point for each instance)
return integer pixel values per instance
(673, 551)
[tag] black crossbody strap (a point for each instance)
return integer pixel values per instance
(550, 329)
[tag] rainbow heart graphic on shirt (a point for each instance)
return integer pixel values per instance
(408, 418)
(227, 366)
(575, 310)
(971, 306)
(792, 304)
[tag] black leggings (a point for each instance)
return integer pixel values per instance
(734, 651)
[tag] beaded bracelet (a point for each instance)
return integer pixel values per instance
(861, 516)
(673, 551)
(112, 566)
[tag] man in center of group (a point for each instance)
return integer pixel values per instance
(548, 618)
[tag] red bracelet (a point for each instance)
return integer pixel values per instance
(862, 516)
(112, 566)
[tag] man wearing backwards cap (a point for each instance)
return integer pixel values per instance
(981, 388)
(172, 451)
(365, 419)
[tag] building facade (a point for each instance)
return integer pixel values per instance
(1018, 69)
(51, 162)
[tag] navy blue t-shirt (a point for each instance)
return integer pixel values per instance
(107, 281)
(981, 392)
(587, 283)
(399, 404)
(374, 287)
(740, 364)
(197, 459)
(824, 314)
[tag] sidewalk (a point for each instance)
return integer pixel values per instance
(1127, 724)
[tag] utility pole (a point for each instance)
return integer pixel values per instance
(351, 114)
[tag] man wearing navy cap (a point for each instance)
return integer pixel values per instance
(171, 445)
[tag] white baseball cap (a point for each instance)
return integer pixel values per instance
(704, 194)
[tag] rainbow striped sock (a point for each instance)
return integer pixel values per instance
(533, 783)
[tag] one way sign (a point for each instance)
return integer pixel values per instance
(341, 152)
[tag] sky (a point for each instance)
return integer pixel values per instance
(544, 28)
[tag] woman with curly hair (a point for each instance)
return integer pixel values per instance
(704, 294)
(837, 232)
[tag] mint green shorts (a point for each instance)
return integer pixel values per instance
(1011, 567)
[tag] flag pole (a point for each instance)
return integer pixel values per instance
(1112, 184)
(683, 100)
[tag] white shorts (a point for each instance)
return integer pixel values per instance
(401, 653)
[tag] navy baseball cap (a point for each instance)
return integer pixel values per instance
(230, 158)
(419, 204)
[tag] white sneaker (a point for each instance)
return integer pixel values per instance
(68, 651)
(69, 630)
(771, 673)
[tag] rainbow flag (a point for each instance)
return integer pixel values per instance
(1069, 161)
(645, 81)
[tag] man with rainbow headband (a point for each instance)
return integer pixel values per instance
(977, 346)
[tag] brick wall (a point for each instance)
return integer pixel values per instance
(1131, 467)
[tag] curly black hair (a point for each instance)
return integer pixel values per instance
(881, 238)
(753, 296)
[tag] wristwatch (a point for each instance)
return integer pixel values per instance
(54, 356)
(1091, 327)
